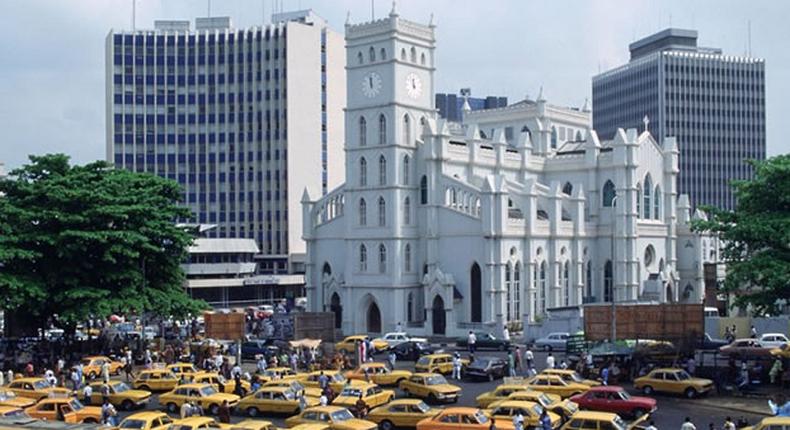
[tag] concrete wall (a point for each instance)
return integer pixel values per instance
(715, 326)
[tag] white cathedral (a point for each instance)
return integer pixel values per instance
(514, 214)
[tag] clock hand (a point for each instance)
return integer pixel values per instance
(370, 81)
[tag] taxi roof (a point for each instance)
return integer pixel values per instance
(276, 388)
(438, 354)
(91, 357)
(426, 374)
(776, 420)
(595, 415)
(523, 403)
(194, 385)
(4, 409)
(607, 388)
(666, 369)
(356, 336)
(195, 420)
(325, 372)
(328, 408)
(521, 387)
(278, 369)
(29, 379)
(154, 371)
(146, 415)
(363, 385)
(252, 424)
(460, 410)
(404, 402)
(181, 364)
(559, 371)
(373, 364)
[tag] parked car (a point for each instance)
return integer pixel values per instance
(484, 340)
(773, 340)
(396, 338)
(487, 367)
(709, 343)
(745, 348)
(252, 348)
(615, 399)
(553, 342)
(412, 350)
(673, 381)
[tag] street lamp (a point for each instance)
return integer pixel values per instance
(614, 308)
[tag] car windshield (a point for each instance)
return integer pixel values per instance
(435, 380)
(683, 375)
(575, 377)
(538, 409)
(624, 395)
(481, 418)
(297, 386)
(422, 407)
(618, 422)
(423, 361)
(338, 377)
(132, 424)
(289, 395)
(481, 362)
(85, 362)
(6, 395)
(207, 391)
(341, 415)
(354, 392)
(76, 405)
(42, 384)
(120, 387)
(544, 400)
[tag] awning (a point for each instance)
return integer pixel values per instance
(305, 343)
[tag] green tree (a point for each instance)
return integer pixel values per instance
(757, 237)
(90, 240)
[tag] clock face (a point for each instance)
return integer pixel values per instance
(371, 84)
(413, 85)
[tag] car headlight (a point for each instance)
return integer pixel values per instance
(439, 396)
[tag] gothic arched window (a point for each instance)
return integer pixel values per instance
(657, 203)
(382, 129)
(382, 212)
(372, 54)
(647, 191)
(382, 170)
(363, 258)
(382, 258)
(424, 190)
(406, 130)
(406, 211)
(407, 258)
(363, 172)
(609, 194)
(363, 212)
(405, 177)
(363, 131)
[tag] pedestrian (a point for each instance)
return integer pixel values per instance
(492, 424)
(563, 365)
(688, 425)
(294, 362)
(691, 366)
(779, 405)
(728, 424)
(361, 407)
(105, 371)
(550, 361)
(261, 366)
(398, 328)
(505, 334)
(518, 421)
(471, 341)
(186, 410)
(651, 426)
(109, 413)
(148, 360)
(29, 369)
(302, 402)
(224, 412)
(323, 400)
(776, 370)
(519, 359)
(711, 426)
(511, 364)
(530, 357)
(456, 366)
(9, 377)
(545, 420)
(87, 392)
(392, 357)
(605, 375)
(323, 380)
(236, 370)
(753, 332)
(734, 332)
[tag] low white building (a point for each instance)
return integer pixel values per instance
(444, 229)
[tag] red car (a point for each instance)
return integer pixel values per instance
(611, 398)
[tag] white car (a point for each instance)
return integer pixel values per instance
(773, 340)
(553, 342)
(395, 338)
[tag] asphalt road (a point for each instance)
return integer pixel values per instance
(670, 414)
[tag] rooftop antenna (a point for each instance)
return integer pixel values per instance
(372, 10)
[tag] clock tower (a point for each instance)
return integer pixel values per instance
(390, 69)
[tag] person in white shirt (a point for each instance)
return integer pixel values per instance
(323, 400)
(261, 363)
(529, 357)
(398, 328)
(518, 421)
(236, 370)
(563, 365)
(471, 340)
(105, 372)
(218, 361)
(86, 394)
(505, 334)
(49, 375)
(550, 361)
(456, 366)
(688, 425)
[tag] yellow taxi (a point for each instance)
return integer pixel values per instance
(279, 400)
(554, 384)
(437, 363)
(401, 413)
(148, 420)
(336, 417)
(35, 388)
(378, 373)
(460, 418)
(349, 344)
(372, 394)
(571, 376)
(204, 395)
(336, 380)
(499, 393)
(254, 425)
(215, 379)
(590, 420)
(155, 380)
(65, 409)
(186, 370)
(311, 426)
(531, 412)
(674, 381)
(295, 386)
(770, 423)
(120, 395)
(12, 412)
(277, 373)
(10, 399)
(550, 402)
(201, 422)
(91, 366)
(783, 351)
(432, 387)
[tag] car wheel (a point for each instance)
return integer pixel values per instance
(647, 389)
(432, 398)
(386, 425)
(253, 412)
(691, 393)
(145, 388)
(90, 421)
(127, 405)
(406, 393)
(637, 412)
(547, 348)
(213, 409)
(172, 407)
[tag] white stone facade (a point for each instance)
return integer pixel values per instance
(444, 230)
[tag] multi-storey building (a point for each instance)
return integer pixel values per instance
(244, 119)
(445, 230)
(714, 104)
(451, 106)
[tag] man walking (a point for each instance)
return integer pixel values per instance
(550, 361)
(456, 366)
(471, 341)
(530, 358)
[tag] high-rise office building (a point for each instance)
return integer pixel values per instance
(713, 103)
(451, 106)
(244, 119)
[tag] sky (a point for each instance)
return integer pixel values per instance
(52, 84)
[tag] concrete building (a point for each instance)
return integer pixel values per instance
(445, 230)
(714, 104)
(244, 119)
(451, 106)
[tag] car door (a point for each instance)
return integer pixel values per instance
(44, 411)
(399, 415)
(412, 416)
(673, 385)
(280, 404)
(447, 421)
(418, 387)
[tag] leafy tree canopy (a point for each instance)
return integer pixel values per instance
(757, 237)
(90, 240)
